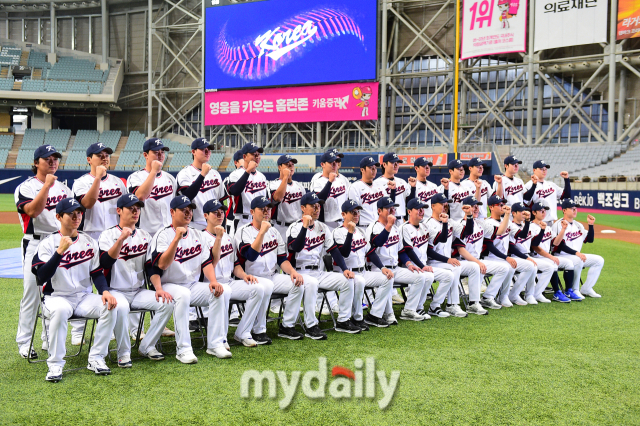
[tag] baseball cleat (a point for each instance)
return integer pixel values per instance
(249, 343)
(134, 333)
(153, 354)
(542, 299)
(24, 353)
(410, 315)
(437, 312)
(275, 309)
(489, 303)
(165, 333)
(220, 352)
(390, 319)
(531, 300)
(194, 326)
(360, 324)
(396, 299)
(261, 338)
(315, 333)
(45, 346)
(325, 310)
(77, 341)
(290, 333)
(347, 327)
(375, 321)
(573, 295)
(590, 293)
(125, 362)
(54, 374)
(518, 301)
(226, 345)
(99, 367)
(187, 357)
(456, 311)
(506, 303)
(234, 322)
(559, 296)
(476, 308)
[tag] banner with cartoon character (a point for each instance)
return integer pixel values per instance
(561, 23)
(491, 27)
(334, 102)
(628, 19)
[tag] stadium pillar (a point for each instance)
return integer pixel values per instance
(456, 80)
(530, 79)
(150, 71)
(621, 100)
(613, 29)
(52, 26)
(383, 77)
(105, 30)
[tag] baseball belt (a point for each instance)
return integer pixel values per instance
(308, 268)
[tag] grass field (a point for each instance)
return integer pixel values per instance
(552, 364)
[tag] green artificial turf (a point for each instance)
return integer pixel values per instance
(630, 223)
(547, 364)
(10, 236)
(7, 203)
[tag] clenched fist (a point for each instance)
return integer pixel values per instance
(251, 167)
(564, 175)
(156, 166)
(125, 233)
(534, 179)
(391, 220)
(527, 215)
(219, 231)
(467, 209)
(351, 227)
(498, 178)
(286, 174)
(264, 226)
(101, 171)
(306, 220)
(590, 219)
(50, 180)
(206, 168)
(65, 243)
(506, 210)
(478, 183)
(445, 183)
(180, 231)
(332, 177)
(564, 224)
(543, 225)
(391, 184)
(413, 181)
(444, 218)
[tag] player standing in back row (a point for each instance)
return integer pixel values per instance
(390, 167)
(287, 193)
(549, 192)
(509, 186)
(365, 193)
(479, 188)
(332, 188)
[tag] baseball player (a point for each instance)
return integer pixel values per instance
(366, 193)
(177, 257)
(424, 190)
(260, 250)
(199, 181)
(98, 192)
(153, 187)
(549, 192)
(509, 186)
(353, 246)
(123, 251)
(477, 187)
(442, 232)
(453, 189)
(415, 241)
(384, 237)
(570, 237)
(470, 249)
(309, 240)
(287, 193)
(246, 183)
(66, 263)
(388, 182)
(237, 162)
(256, 292)
(331, 187)
(541, 246)
(36, 199)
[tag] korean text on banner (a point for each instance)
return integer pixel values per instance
(491, 27)
(408, 160)
(628, 19)
(561, 23)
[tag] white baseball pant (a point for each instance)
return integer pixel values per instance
(571, 263)
(334, 281)
(139, 299)
(379, 281)
(526, 277)
(30, 295)
(502, 274)
(58, 310)
(466, 269)
(595, 264)
(308, 291)
(444, 276)
(257, 298)
(417, 282)
(546, 268)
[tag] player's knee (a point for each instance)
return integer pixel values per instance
(428, 278)
(61, 311)
(267, 285)
(310, 284)
(257, 290)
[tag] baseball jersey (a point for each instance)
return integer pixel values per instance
(388, 252)
(425, 191)
(485, 191)
(473, 243)
(127, 273)
(367, 195)
(45, 222)
(73, 275)
(273, 248)
(501, 242)
(156, 212)
(434, 227)
(317, 243)
(210, 189)
(332, 208)
(545, 243)
(230, 206)
(288, 210)
(574, 235)
(456, 193)
(402, 192)
(224, 268)
(522, 242)
(416, 237)
(513, 189)
(103, 214)
(359, 246)
(191, 255)
(256, 186)
(549, 193)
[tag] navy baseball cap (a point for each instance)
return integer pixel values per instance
(181, 202)
(386, 202)
(539, 206)
(518, 207)
(260, 202)
(422, 161)
(350, 205)
(455, 164)
(471, 201)
(512, 160)
(250, 148)
(440, 198)
(329, 157)
(568, 204)
(284, 159)
(154, 144)
(45, 151)
(237, 156)
(128, 200)
(540, 164)
(310, 198)
(335, 151)
(494, 199)
(97, 148)
(368, 161)
(416, 203)
(475, 162)
(201, 143)
(392, 157)
(69, 205)
(212, 206)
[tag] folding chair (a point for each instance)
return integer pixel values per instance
(280, 297)
(324, 292)
(464, 295)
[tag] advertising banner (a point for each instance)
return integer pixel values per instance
(408, 160)
(464, 156)
(622, 201)
(491, 27)
(570, 23)
(335, 102)
(628, 19)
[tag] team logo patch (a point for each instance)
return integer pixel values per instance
(425, 196)
(544, 193)
(159, 192)
(392, 241)
(128, 252)
(372, 197)
(184, 254)
(337, 191)
(108, 194)
(52, 202)
(208, 185)
(474, 238)
(71, 259)
(312, 243)
(292, 197)
(420, 240)
(252, 187)
(358, 244)
(572, 236)
(513, 190)
(268, 247)
(225, 250)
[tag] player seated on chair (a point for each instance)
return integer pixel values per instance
(570, 237)
(66, 262)
(177, 257)
(254, 291)
(123, 251)
(527, 268)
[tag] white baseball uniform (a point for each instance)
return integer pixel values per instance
(425, 191)
(485, 191)
(288, 210)
(332, 209)
(527, 270)
(548, 193)
(567, 263)
(156, 212)
(513, 189)
(103, 214)
(256, 186)
(211, 189)
(456, 192)
(367, 195)
(402, 192)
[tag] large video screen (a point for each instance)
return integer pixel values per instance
(270, 43)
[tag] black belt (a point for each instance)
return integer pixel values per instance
(390, 267)
(246, 216)
(283, 223)
(363, 225)
(398, 217)
(35, 237)
(358, 269)
(308, 268)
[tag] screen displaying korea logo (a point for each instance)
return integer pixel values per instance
(282, 42)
